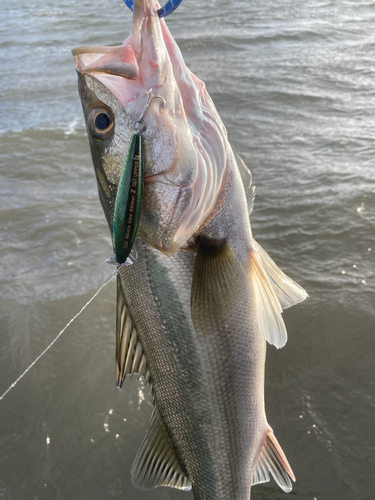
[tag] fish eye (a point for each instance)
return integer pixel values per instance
(101, 123)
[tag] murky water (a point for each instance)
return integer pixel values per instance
(294, 84)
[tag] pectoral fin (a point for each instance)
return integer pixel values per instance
(272, 459)
(218, 287)
(130, 357)
(274, 291)
(156, 463)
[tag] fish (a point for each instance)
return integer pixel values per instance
(200, 298)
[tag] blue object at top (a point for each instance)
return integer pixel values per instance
(168, 8)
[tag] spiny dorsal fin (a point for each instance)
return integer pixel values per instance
(247, 181)
(272, 459)
(130, 357)
(156, 463)
(274, 291)
(219, 286)
(251, 198)
(287, 291)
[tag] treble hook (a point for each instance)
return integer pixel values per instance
(139, 124)
(168, 8)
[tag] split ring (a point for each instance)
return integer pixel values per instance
(168, 8)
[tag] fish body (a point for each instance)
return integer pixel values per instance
(195, 309)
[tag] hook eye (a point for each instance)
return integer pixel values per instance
(101, 123)
(139, 126)
(168, 8)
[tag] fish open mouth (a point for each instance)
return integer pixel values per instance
(185, 144)
(119, 60)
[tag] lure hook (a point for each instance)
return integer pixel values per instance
(168, 8)
(139, 124)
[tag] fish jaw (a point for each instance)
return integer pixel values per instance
(185, 141)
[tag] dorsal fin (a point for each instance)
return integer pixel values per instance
(269, 310)
(272, 459)
(247, 181)
(130, 357)
(156, 463)
(251, 198)
(274, 291)
(286, 290)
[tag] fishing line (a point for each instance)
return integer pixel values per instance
(59, 335)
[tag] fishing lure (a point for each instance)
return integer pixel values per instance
(128, 203)
(168, 8)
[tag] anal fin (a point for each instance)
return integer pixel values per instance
(130, 358)
(156, 463)
(272, 459)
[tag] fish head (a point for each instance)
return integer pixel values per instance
(185, 142)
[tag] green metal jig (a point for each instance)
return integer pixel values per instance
(128, 203)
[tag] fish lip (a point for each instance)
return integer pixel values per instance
(94, 71)
(118, 60)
